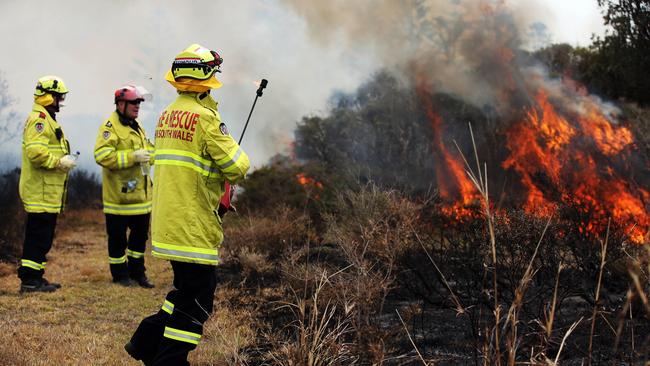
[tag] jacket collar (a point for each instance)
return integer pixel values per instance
(133, 123)
(204, 99)
(40, 109)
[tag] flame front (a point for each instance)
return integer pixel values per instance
(570, 158)
(564, 157)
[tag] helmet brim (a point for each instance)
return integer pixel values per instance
(193, 85)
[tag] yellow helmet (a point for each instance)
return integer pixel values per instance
(193, 69)
(46, 87)
(196, 62)
(50, 84)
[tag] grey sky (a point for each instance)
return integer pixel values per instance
(98, 45)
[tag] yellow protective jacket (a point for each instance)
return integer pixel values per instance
(195, 156)
(42, 187)
(125, 189)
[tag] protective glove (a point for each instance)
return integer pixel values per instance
(66, 163)
(141, 156)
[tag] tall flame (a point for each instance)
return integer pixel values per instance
(453, 183)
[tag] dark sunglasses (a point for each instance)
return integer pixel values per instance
(134, 102)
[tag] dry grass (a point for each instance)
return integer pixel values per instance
(225, 335)
(89, 319)
(318, 333)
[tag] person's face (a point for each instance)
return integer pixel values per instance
(130, 108)
(58, 102)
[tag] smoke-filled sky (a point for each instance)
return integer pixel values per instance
(306, 49)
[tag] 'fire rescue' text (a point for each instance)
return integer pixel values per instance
(180, 125)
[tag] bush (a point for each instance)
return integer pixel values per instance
(272, 186)
(372, 229)
(257, 243)
(12, 216)
(84, 191)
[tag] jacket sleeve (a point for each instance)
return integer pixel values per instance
(36, 139)
(106, 153)
(231, 160)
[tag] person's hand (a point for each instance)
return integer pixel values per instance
(66, 163)
(141, 156)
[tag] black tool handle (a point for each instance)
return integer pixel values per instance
(258, 94)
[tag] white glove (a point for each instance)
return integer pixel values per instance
(66, 163)
(141, 156)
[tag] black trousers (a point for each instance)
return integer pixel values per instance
(167, 337)
(121, 247)
(39, 234)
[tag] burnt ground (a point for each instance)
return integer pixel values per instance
(445, 337)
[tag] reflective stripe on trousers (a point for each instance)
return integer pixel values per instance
(182, 335)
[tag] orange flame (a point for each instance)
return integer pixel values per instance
(306, 181)
(549, 154)
(610, 139)
(455, 188)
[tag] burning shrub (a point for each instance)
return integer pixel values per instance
(269, 187)
(286, 183)
(558, 147)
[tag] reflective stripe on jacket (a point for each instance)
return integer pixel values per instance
(125, 189)
(195, 156)
(42, 187)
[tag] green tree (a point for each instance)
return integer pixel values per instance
(377, 134)
(621, 66)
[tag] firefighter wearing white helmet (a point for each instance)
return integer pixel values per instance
(124, 152)
(46, 161)
(195, 156)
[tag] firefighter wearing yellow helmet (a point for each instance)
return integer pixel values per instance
(46, 161)
(124, 152)
(195, 156)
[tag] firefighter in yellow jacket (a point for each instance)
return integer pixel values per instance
(195, 156)
(46, 162)
(124, 152)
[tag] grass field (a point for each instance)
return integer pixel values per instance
(287, 296)
(89, 319)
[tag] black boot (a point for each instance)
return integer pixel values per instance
(125, 281)
(143, 281)
(55, 284)
(36, 285)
